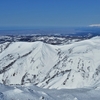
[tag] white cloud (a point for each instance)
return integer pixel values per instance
(94, 25)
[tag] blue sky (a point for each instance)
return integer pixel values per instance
(45, 13)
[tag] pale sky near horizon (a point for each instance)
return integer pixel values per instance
(59, 13)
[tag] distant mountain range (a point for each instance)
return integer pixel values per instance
(93, 29)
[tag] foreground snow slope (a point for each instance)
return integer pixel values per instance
(31, 92)
(75, 65)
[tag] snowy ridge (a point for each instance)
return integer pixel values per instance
(76, 65)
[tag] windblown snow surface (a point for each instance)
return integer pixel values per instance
(31, 92)
(63, 72)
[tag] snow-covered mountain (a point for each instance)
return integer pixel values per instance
(75, 65)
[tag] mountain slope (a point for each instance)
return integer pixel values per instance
(75, 65)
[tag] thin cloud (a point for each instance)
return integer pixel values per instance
(94, 25)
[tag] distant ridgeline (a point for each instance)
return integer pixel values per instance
(51, 36)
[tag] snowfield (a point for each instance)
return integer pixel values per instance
(61, 72)
(31, 92)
